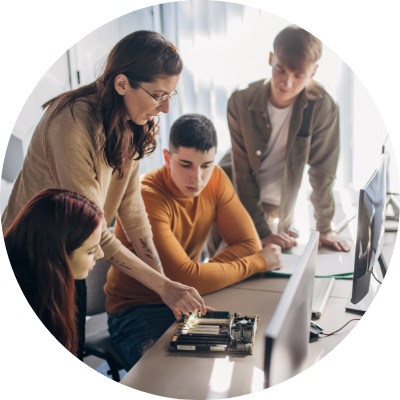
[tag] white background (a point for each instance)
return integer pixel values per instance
(34, 34)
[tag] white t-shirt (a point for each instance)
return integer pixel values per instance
(273, 160)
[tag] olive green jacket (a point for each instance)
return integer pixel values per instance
(313, 142)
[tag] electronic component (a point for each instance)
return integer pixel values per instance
(315, 330)
(216, 331)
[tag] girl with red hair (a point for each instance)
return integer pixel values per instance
(52, 245)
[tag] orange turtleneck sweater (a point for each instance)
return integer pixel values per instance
(180, 227)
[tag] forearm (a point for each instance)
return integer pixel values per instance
(146, 250)
(135, 267)
(180, 298)
(215, 275)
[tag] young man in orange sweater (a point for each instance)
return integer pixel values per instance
(184, 198)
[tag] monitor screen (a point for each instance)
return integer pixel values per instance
(370, 233)
(392, 189)
(288, 333)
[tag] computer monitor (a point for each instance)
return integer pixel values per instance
(392, 197)
(288, 333)
(369, 241)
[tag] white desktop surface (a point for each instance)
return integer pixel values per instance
(342, 287)
(277, 282)
(213, 376)
(328, 264)
(204, 375)
(333, 318)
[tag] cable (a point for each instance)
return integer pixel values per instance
(332, 333)
(373, 274)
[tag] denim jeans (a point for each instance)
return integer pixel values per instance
(135, 330)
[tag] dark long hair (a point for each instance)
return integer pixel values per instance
(142, 56)
(39, 243)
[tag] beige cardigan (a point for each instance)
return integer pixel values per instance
(63, 156)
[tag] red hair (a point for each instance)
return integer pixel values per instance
(39, 242)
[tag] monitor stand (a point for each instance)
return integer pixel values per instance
(392, 213)
(393, 203)
(362, 306)
(382, 264)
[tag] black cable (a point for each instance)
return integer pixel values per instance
(373, 274)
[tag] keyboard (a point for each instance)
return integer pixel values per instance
(322, 290)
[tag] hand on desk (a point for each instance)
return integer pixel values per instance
(283, 240)
(273, 256)
(334, 241)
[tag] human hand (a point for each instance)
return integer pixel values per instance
(273, 256)
(182, 299)
(334, 241)
(283, 240)
(178, 313)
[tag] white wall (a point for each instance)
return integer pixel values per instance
(370, 134)
(223, 46)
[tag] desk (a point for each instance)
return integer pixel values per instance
(213, 376)
(216, 376)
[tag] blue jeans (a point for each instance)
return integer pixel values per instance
(135, 330)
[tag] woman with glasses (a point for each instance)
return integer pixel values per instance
(90, 141)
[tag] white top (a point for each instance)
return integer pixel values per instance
(273, 160)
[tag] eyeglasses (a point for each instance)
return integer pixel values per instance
(160, 99)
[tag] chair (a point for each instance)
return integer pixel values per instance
(97, 339)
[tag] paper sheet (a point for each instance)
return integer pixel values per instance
(336, 264)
